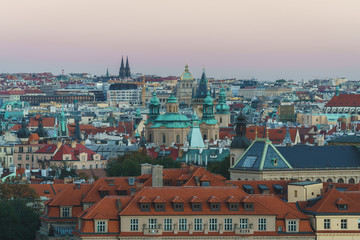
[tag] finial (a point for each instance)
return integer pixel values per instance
(186, 68)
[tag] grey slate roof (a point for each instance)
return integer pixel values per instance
(303, 156)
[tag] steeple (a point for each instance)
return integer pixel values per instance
(122, 74)
(41, 132)
(154, 108)
(127, 69)
(107, 73)
(337, 90)
(77, 133)
(203, 86)
(240, 140)
(195, 138)
(23, 131)
(287, 140)
(62, 130)
(222, 107)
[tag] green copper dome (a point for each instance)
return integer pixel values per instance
(171, 120)
(172, 99)
(208, 100)
(154, 99)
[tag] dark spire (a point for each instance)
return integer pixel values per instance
(107, 73)
(122, 69)
(77, 134)
(202, 89)
(23, 131)
(240, 140)
(127, 69)
(41, 132)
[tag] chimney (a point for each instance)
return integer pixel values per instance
(73, 144)
(118, 204)
(157, 176)
(145, 168)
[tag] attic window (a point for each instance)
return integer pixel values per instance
(145, 207)
(159, 207)
(342, 206)
(249, 206)
(248, 189)
(274, 162)
(205, 183)
(196, 206)
(214, 206)
(178, 206)
(233, 206)
(278, 189)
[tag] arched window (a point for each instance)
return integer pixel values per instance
(174, 109)
(329, 180)
(215, 136)
(163, 138)
(220, 120)
(205, 137)
(340, 180)
(177, 138)
(318, 180)
(83, 166)
(150, 137)
(351, 180)
(307, 180)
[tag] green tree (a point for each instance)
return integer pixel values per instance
(17, 191)
(64, 171)
(17, 220)
(281, 81)
(220, 167)
(130, 164)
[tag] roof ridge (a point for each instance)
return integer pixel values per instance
(96, 205)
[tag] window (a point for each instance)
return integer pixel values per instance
(198, 224)
(292, 226)
(243, 223)
(343, 223)
(326, 223)
(228, 224)
(213, 224)
(196, 206)
(295, 193)
(145, 207)
(177, 138)
(358, 223)
(21, 149)
(233, 206)
(182, 224)
(159, 207)
(27, 157)
(101, 226)
(248, 206)
(65, 212)
(163, 138)
(215, 206)
(152, 223)
(178, 206)
(19, 157)
(167, 224)
(342, 207)
(262, 224)
(134, 224)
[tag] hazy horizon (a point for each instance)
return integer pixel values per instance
(261, 39)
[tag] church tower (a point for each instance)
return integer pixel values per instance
(209, 126)
(122, 74)
(127, 69)
(222, 109)
(154, 112)
(185, 88)
(62, 129)
(200, 95)
(240, 142)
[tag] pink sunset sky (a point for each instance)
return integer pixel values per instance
(264, 39)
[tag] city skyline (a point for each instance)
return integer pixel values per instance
(267, 40)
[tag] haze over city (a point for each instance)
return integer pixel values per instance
(266, 40)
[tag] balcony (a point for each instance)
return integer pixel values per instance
(244, 231)
(156, 231)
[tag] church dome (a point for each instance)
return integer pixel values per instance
(208, 100)
(172, 99)
(154, 99)
(186, 75)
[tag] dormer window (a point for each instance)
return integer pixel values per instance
(341, 204)
(178, 204)
(196, 206)
(145, 207)
(233, 203)
(159, 207)
(248, 188)
(144, 204)
(214, 203)
(248, 203)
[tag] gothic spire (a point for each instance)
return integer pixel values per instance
(122, 69)
(127, 69)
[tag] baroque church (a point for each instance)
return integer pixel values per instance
(173, 127)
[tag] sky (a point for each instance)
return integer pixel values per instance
(263, 39)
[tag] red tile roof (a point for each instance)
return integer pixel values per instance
(74, 152)
(344, 100)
